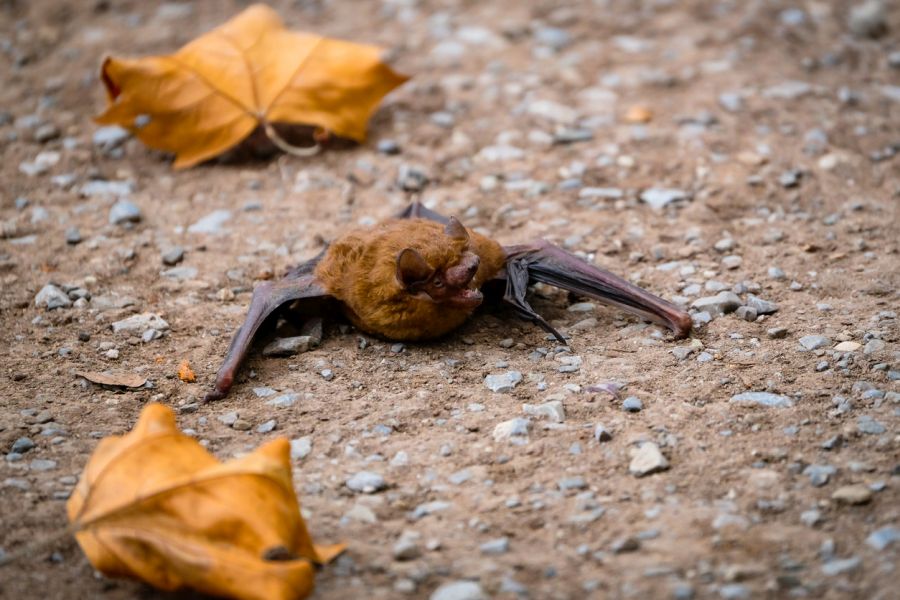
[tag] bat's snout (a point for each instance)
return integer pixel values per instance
(462, 273)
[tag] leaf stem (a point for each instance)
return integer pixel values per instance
(285, 146)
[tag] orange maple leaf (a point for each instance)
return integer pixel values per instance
(154, 505)
(249, 72)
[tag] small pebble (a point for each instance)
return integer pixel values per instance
(647, 460)
(124, 212)
(366, 482)
(852, 494)
(173, 256)
(632, 404)
(494, 547)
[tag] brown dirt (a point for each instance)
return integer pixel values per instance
(697, 50)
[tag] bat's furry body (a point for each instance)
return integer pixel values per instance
(359, 270)
(419, 277)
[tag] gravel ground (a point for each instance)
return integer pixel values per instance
(736, 157)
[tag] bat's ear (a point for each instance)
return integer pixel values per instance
(412, 268)
(455, 230)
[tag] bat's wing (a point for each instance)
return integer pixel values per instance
(543, 262)
(417, 210)
(300, 283)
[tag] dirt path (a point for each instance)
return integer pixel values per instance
(765, 130)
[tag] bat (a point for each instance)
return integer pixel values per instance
(420, 275)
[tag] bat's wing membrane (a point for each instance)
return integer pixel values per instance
(268, 297)
(543, 262)
(417, 210)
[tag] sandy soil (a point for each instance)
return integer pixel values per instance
(777, 125)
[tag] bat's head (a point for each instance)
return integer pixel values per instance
(446, 276)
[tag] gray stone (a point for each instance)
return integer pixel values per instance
(867, 424)
(552, 410)
(500, 153)
(150, 335)
(603, 193)
(412, 178)
(459, 590)
(601, 433)
(762, 399)
(732, 262)
(503, 382)
(123, 212)
(572, 483)
(46, 132)
(228, 418)
(734, 591)
(42, 464)
(288, 346)
(881, 538)
(683, 591)
(811, 517)
(747, 313)
(776, 273)
(283, 400)
(720, 304)
(632, 404)
(140, 322)
(552, 37)
(852, 494)
(173, 256)
(777, 333)
(514, 430)
(790, 178)
(460, 477)
(788, 90)
(211, 223)
(841, 565)
(819, 475)
(406, 548)
(51, 297)
(366, 482)
(552, 111)
(731, 101)
(762, 307)
(647, 460)
(110, 137)
(496, 546)
(874, 346)
(387, 146)
(814, 342)
(428, 508)
(868, 19)
(658, 198)
(301, 447)
(73, 236)
(22, 445)
(267, 427)
(182, 273)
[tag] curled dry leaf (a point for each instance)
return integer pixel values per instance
(638, 114)
(120, 379)
(186, 373)
(250, 72)
(154, 505)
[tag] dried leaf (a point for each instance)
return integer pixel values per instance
(185, 373)
(247, 73)
(638, 114)
(154, 505)
(122, 379)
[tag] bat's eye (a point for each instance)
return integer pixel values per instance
(438, 282)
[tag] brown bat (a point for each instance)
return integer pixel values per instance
(420, 275)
